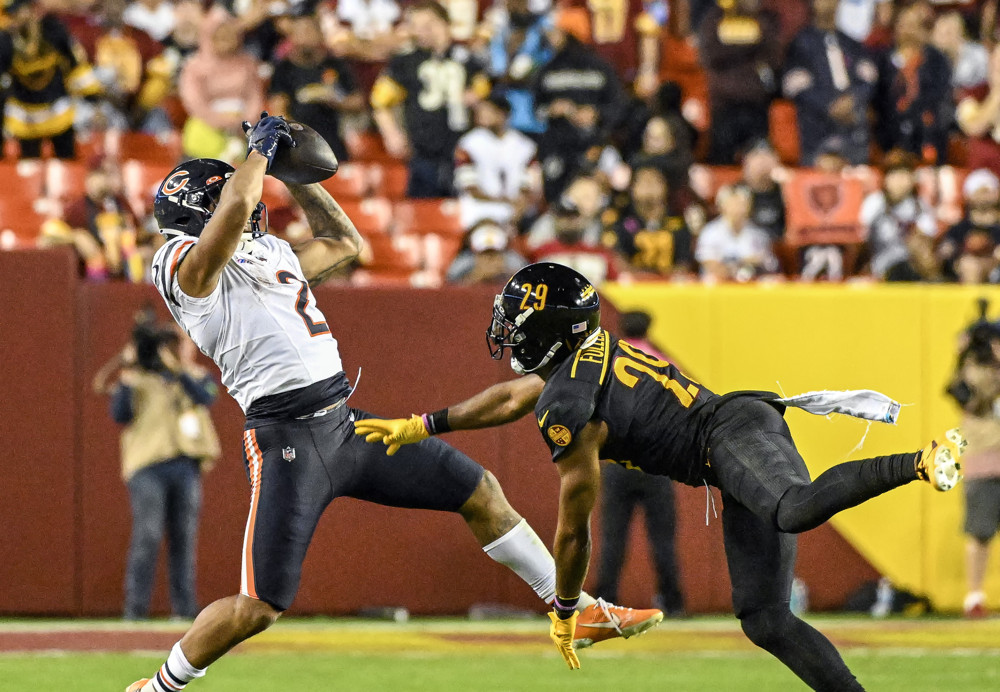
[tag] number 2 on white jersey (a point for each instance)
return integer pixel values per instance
(315, 328)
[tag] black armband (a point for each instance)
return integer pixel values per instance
(437, 422)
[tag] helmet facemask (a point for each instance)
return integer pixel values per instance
(528, 355)
(201, 202)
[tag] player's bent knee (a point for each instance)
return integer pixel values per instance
(254, 616)
(768, 626)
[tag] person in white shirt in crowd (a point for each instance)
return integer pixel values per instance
(487, 256)
(155, 17)
(857, 18)
(900, 226)
(731, 247)
(496, 174)
(362, 29)
(969, 59)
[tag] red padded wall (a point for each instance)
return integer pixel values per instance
(65, 508)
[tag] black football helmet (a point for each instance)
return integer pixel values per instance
(187, 197)
(545, 312)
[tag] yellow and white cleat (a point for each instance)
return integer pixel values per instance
(938, 463)
(137, 685)
(603, 620)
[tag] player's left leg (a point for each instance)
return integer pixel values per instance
(761, 563)
(755, 460)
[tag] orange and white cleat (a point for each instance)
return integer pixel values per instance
(603, 620)
(938, 463)
(137, 685)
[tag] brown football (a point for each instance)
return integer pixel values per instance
(310, 161)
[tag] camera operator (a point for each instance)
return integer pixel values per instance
(976, 388)
(161, 397)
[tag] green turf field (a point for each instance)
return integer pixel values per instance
(445, 655)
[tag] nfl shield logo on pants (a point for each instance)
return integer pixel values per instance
(288, 453)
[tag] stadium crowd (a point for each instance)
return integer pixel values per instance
(720, 140)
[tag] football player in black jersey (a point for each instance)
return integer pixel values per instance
(596, 397)
(435, 83)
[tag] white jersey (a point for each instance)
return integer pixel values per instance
(499, 166)
(260, 325)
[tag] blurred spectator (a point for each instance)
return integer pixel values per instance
(767, 206)
(435, 83)
(822, 216)
(585, 194)
(127, 63)
(899, 227)
(731, 247)
(622, 491)
(741, 54)
(487, 256)
(832, 79)
(496, 174)
(620, 31)
(47, 70)
(666, 147)
(102, 227)
(856, 18)
(362, 29)
(978, 116)
(220, 87)
(311, 86)
(161, 397)
(518, 47)
(155, 17)
(976, 387)
(968, 250)
(647, 235)
(579, 86)
(969, 60)
(597, 263)
(914, 97)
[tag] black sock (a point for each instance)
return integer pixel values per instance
(805, 507)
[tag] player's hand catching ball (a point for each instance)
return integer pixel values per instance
(393, 433)
(561, 633)
(267, 135)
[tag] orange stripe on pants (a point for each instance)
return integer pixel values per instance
(255, 460)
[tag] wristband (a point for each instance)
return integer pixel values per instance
(565, 607)
(437, 422)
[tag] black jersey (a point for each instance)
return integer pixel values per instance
(432, 90)
(656, 416)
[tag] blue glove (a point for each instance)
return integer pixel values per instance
(265, 137)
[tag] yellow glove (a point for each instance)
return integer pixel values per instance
(394, 433)
(561, 633)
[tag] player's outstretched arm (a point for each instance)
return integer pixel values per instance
(502, 403)
(335, 240)
(199, 273)
(579, 484)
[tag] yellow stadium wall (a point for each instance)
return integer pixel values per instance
(796, 338)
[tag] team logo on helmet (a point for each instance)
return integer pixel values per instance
(175, 183)
(560, 434)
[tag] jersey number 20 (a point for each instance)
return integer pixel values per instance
(315, 328)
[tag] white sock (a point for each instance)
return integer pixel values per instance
(522, 550)
(174, 674)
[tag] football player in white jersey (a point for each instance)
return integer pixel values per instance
(243, 296)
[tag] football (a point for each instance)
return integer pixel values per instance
(310, 161)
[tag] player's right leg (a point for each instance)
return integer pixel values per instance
(290, 488)
(435, 475)
(761, 563)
